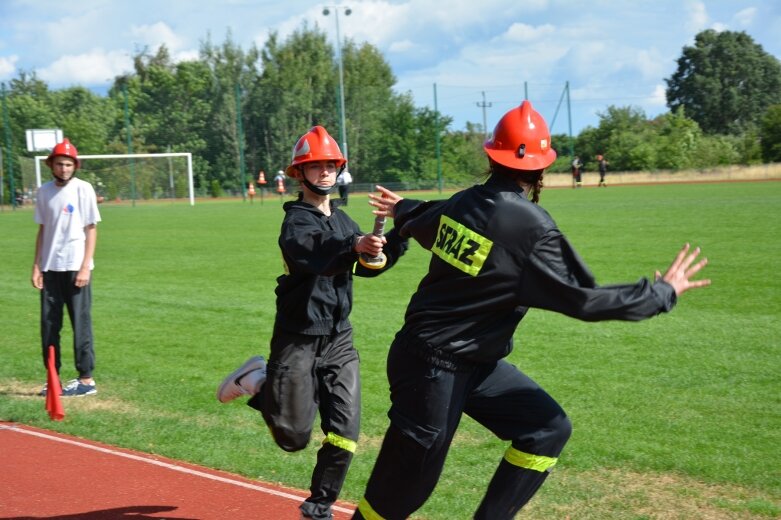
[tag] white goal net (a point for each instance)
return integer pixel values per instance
(132, 177)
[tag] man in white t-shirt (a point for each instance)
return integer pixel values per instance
(343, 181)
(66, 212)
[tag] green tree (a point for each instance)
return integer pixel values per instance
(562, 144)
(29, 106)
(84, 118)
(234, 77)
(624, 136)
(463, 158)
(296, 89)
(725, 81)
(395, 155)
(676, 141)
(716, 150)
(368, 83)
(770, 133)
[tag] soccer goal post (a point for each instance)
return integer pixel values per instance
(158, 180)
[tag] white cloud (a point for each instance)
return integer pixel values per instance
(91, 68)
(190, 55)
(745, 17)
(658, 98)
(401, 46)
(362, 24)
(650, 63)
(78, 30)
(155, 35)
(521, 32)
(698, 17)
(8, 65)
(719, 27)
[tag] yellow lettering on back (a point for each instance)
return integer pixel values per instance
(461, 247)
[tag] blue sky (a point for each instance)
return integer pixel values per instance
(475, 51)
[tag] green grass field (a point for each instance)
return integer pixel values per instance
(674, 418)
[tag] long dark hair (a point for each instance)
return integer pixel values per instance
(531, 177)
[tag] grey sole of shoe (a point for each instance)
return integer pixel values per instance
(255, 363)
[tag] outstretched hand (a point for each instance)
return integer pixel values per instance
(681, 271)
(385, 202)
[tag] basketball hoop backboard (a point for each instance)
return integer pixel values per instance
(43, 140)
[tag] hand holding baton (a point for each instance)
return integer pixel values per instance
(379, 261)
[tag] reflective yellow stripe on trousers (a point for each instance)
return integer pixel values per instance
(367, 512)
(522, 459)
(340, 442)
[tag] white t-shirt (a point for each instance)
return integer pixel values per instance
(344, 178)
(64, 212)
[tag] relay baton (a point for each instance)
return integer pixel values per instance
(379, 261)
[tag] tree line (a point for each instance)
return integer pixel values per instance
(231, 103)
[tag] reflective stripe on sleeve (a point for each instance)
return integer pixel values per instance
(522, 459)
(340, 442)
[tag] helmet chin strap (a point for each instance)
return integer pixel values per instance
(318, 189)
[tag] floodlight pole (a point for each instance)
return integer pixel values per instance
(129, 147)
(1, 179)
(240, 138)
(10, 170)
(347, 12)
(569, 120)
(436, 141)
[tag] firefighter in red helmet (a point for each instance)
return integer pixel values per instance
(313, 366)
(494, 254)
(67, 215)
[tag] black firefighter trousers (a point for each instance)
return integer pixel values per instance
(59, 290)
(427, 403)
(307, 374)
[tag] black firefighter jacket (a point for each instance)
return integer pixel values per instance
(315, 295)
(495, 254)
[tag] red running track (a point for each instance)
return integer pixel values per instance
(50, 475)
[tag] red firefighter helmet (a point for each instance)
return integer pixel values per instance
(65, 149)
(315, 145)
(521, 140)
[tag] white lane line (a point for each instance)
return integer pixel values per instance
(173, 467)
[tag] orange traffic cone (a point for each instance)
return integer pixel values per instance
(53, 389)
(280, 186)
(251, 189)
(262, 177)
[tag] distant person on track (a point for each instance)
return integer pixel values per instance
(313, 365)
(67, 215)
(279, 180)
(576, 173)
(602, 165)
(495, 254)
(343, 181)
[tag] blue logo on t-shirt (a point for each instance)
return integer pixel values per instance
(68, 209)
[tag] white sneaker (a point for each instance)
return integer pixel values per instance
(245, 380)
(75, 388)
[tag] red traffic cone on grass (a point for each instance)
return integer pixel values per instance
(53, 402)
